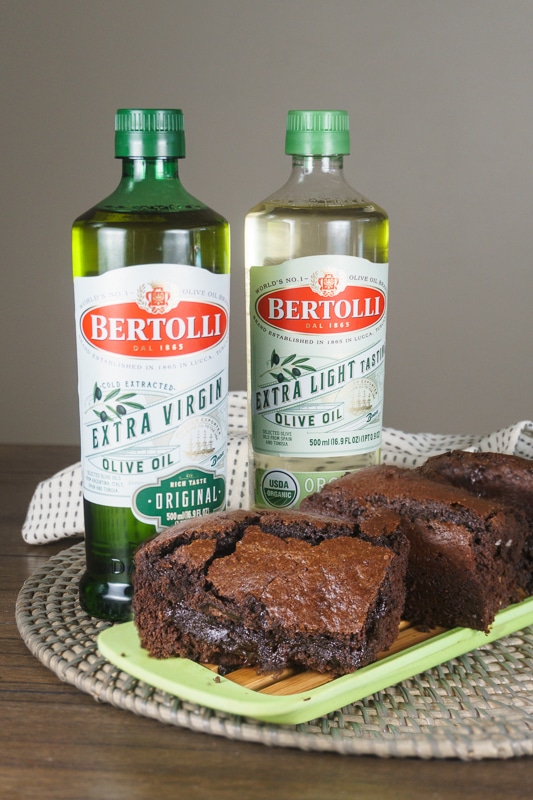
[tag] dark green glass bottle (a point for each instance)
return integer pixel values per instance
(151, 277)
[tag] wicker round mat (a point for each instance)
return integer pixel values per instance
(473, 707)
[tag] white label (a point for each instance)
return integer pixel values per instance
(152, 344)
(318, 353)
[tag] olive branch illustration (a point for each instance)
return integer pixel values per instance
(121, 404)
(290, 367)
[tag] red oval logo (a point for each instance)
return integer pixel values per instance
(302, 310)
(128, 330)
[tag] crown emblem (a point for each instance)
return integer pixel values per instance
(328, 283)
(157, 298)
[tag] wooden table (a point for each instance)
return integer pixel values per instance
(58, 743)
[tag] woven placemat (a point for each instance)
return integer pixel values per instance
(473, 707)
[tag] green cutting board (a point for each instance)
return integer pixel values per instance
(197, 684)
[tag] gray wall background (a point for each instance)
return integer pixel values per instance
(440, 96)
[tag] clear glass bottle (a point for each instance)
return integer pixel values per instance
(151, 277)
(316, 257)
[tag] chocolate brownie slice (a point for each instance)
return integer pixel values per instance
(242, 589)
(465, 552)
(497, 476)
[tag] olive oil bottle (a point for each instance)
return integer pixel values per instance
(316, 257)
(151, 279)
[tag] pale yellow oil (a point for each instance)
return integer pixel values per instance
(276, 232)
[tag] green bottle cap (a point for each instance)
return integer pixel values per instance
(149, 133)
(317, 133)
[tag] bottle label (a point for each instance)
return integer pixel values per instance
(152, 343)
(317, 329)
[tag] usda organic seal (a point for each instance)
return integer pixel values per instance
(279, 488)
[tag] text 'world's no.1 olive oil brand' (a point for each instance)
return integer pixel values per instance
(316, 256)
(151, 280)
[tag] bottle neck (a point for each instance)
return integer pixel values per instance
(136, 170)
(317, 180)
(150, 184)
(323, 165)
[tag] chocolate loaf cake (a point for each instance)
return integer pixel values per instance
(497, 476)
(245, 589)
(465, 552)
